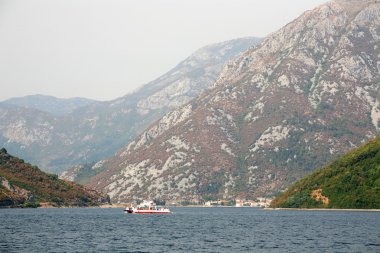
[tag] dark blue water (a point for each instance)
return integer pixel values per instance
(188, 230)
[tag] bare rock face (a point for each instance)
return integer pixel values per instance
(353, 7)
(308, 93)
(95, 131)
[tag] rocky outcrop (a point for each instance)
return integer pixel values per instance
(12, 196)
(318, 196)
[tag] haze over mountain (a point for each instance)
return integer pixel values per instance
(307, 94)
(113, 47)
(49, 104)
(98, 130)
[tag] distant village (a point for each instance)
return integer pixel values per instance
(258, 202)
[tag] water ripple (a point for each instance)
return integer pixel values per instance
(187, 230)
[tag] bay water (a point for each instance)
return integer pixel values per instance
(188, 229)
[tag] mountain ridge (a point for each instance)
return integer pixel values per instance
(50, 104)
(308, 93)
(98, 130)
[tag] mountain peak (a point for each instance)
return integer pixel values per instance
(352, 7)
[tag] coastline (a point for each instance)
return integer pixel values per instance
(99, 206)
(46, 205)
(106, 206)
(322, 209)
(112, 206)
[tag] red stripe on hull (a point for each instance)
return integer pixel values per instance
(147, 212)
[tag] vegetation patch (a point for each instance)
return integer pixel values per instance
(352, 181)
(24, 185)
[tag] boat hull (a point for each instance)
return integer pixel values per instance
(147, 212)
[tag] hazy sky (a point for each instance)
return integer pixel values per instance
(103, 49)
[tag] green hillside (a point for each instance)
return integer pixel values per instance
(24, 185)
(352, 181)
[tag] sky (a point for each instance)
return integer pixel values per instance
(104, 49)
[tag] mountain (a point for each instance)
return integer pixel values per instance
(93, 132)
(82, 173)
(49, 104)
(190, 77)
(24, 185)
(352, 181)
(307, 94)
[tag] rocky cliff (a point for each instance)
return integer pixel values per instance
(307, 94)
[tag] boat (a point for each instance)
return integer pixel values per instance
(147, 207)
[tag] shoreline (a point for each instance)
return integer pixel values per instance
(104, 206)
(123, 205)
(322, 209)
